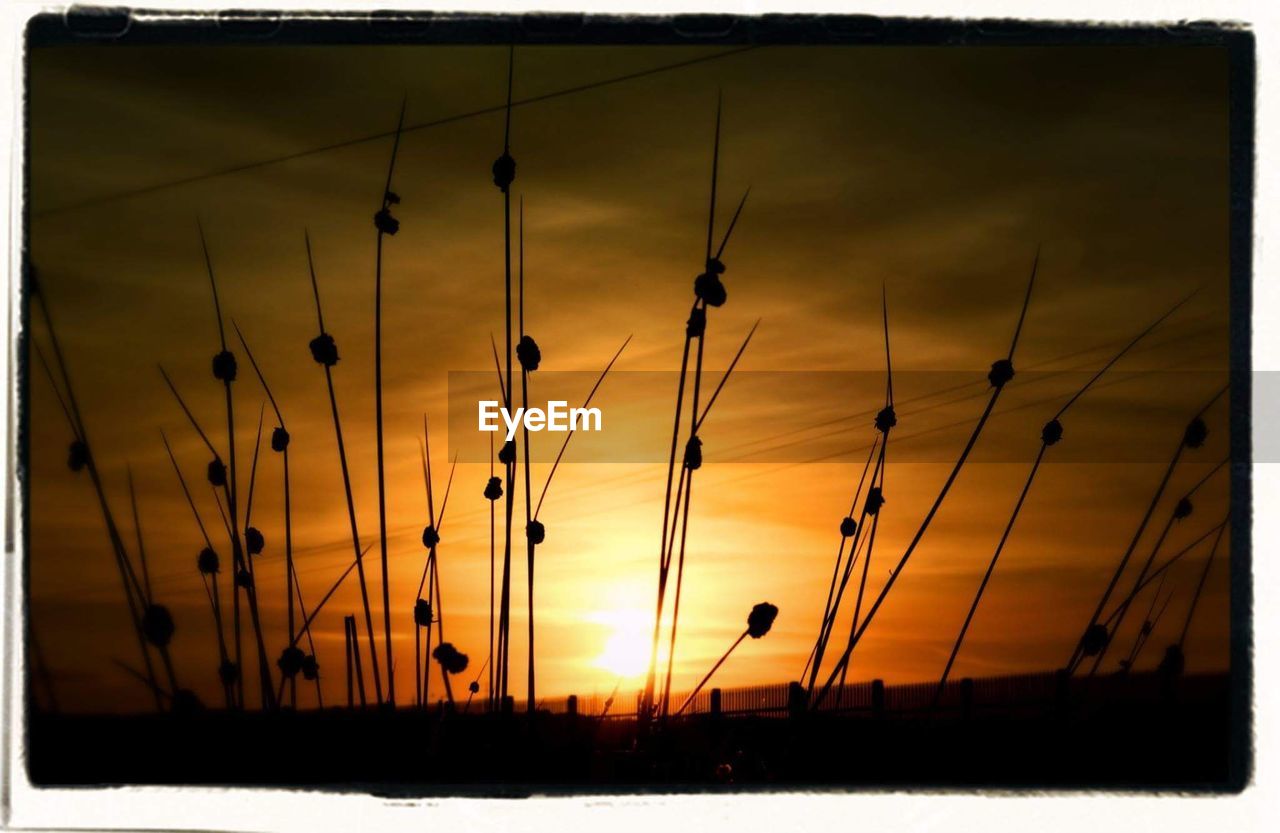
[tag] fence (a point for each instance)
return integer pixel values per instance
(1032, 693)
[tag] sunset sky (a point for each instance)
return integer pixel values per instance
(932, 172)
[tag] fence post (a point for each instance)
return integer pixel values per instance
(715, 702)
(966, 698)
(797, 700)
(571, 705)
(877, 698)
(1061, 690)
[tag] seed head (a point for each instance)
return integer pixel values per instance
(254, 542)
(493, 489)
(157, 624)
(1001, 373)
(1197, 433)
(324, 350)
(450, 658)
(760, 620)
(430, 537)
(422, 613)
(875, 499)
(310, 667)
(228, 673)
(535, 532)
(504, 171)
(244, 579)
(290, 662)
(224, 366)
(1095, 639)
(473, 687)
(217, 472)
(279, 439)
(207, 561)
(385, 223)
(1183, 509)
(886, 419)
(528, 353)
(1051, 433)
(507, 454)
(848, 527)
(693, 454)
(710, 289)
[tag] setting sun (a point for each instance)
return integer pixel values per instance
(627, 643)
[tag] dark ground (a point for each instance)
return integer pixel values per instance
(1177, 742)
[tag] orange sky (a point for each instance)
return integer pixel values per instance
(934, 172)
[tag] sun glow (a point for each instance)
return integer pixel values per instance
(627, 644)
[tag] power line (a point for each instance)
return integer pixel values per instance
(289, 157)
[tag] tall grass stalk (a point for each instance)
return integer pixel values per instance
(1164, 567)
(238, 554)
(385, 225)
(430, 571)
(1175, 515)
(810, 667)
(1149, 623)
(280, 443)
(493, 571)
(161, 646)
(305, 628)
(311, 644)
(1001, 373)
(687, 481)
(1079, 652)
(503, 175)
(210, 578)
(1050, 435)
(531, 541)
(759, 622)
(134, 597)
(325, 352)
(707, 287)
(353, 643)
(346, 636)
(885, 420)
(498, 651)
(532, 511)
(422, 662)
(225, 371)
(1195, 598)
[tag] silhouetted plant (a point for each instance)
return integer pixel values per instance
(135, 598)
(759, 622)
(386, 225)
(1000, 375)
(324, 350)
(427, 612)
(292, 587)
(452, 661)
(224, 370)
(1050, 435)
(709, 291)
(208, 564)
(1193, 437)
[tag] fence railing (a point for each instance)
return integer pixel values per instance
(1038, 692)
